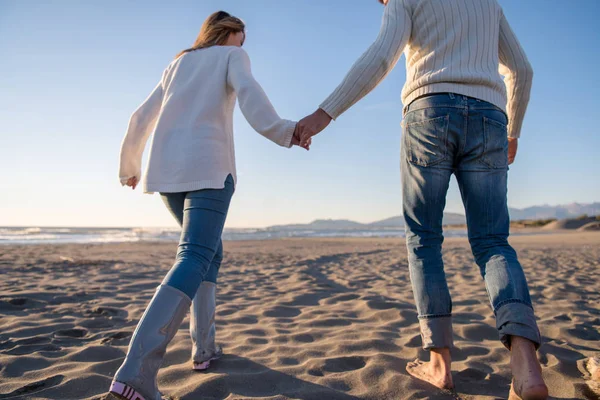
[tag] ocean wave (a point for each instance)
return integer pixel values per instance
(38, 235)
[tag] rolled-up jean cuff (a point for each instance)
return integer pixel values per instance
(436, 332)
(517, 319)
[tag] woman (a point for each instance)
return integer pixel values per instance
(192, 165)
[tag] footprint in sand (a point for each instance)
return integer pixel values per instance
(470, 374)
(282, 312)
(108, 312)
(383, 305)
(415, 341)
(71, 333)
(343, 364)
(24, 342)
(562, 317)
(223, 312)
(288, 361)
(247, 320)
(466, 352)
(33, 388)
(585, 332)
(255, 332)
(17, 303)
(341, 298)
(330, 323)
(34, 348)
(116, 336)
(303, 338)
(256, 341)
(478, 332)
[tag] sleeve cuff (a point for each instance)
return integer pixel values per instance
(330, 110)
(288, 133)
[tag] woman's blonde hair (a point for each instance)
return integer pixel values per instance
(215, 31)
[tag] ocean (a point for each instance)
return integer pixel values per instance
(49, 235)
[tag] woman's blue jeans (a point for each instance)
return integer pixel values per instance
(202, 215)
(447, 134)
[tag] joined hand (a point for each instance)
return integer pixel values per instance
(311, 125)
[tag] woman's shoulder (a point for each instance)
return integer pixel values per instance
(237, 54)
(225, 53)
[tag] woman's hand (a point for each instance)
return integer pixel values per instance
(132, 182)
(296, 141)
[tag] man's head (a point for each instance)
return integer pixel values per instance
(384, 2)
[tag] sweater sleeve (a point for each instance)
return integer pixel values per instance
(518, 77)
(374, 65)
(254, 103)
(141, 125)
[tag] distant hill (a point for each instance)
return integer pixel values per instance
(573, 210)
(559, 212)
(344, 224)
(398, 222)
(320, 224)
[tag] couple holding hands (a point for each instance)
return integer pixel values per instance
(465, 97)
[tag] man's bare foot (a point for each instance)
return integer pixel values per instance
(528, 383)
(436, 372)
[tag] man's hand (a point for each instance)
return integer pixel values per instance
(296, 140)
(311, 125)
(513, 144)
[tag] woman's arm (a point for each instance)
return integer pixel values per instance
(141, 124)
(255, 104)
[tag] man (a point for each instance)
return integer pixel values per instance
(462, 118)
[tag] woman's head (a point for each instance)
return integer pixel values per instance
(219, 29)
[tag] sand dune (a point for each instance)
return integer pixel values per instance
(573, 223)
(298, 319)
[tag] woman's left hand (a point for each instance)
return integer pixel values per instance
(296, 140)
(132, 182)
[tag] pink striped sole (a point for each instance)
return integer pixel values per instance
(201, 366)
(125, 391)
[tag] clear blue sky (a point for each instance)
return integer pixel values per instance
(72, 72)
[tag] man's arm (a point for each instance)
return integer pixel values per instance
(518, 77)
(370, 69)
(374, 65)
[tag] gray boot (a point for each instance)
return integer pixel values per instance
(136, 379)
(202, 327)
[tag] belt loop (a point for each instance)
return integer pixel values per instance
(451, 95)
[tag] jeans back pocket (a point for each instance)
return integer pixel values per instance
(495, 144)
(426, 141)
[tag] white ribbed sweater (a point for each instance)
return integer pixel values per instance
(458, 46)
(190, 113)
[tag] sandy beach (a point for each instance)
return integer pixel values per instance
(298, 319)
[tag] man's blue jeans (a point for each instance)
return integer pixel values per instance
(202, 215)
(445, 134)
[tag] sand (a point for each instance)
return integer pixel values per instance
(298, 319)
